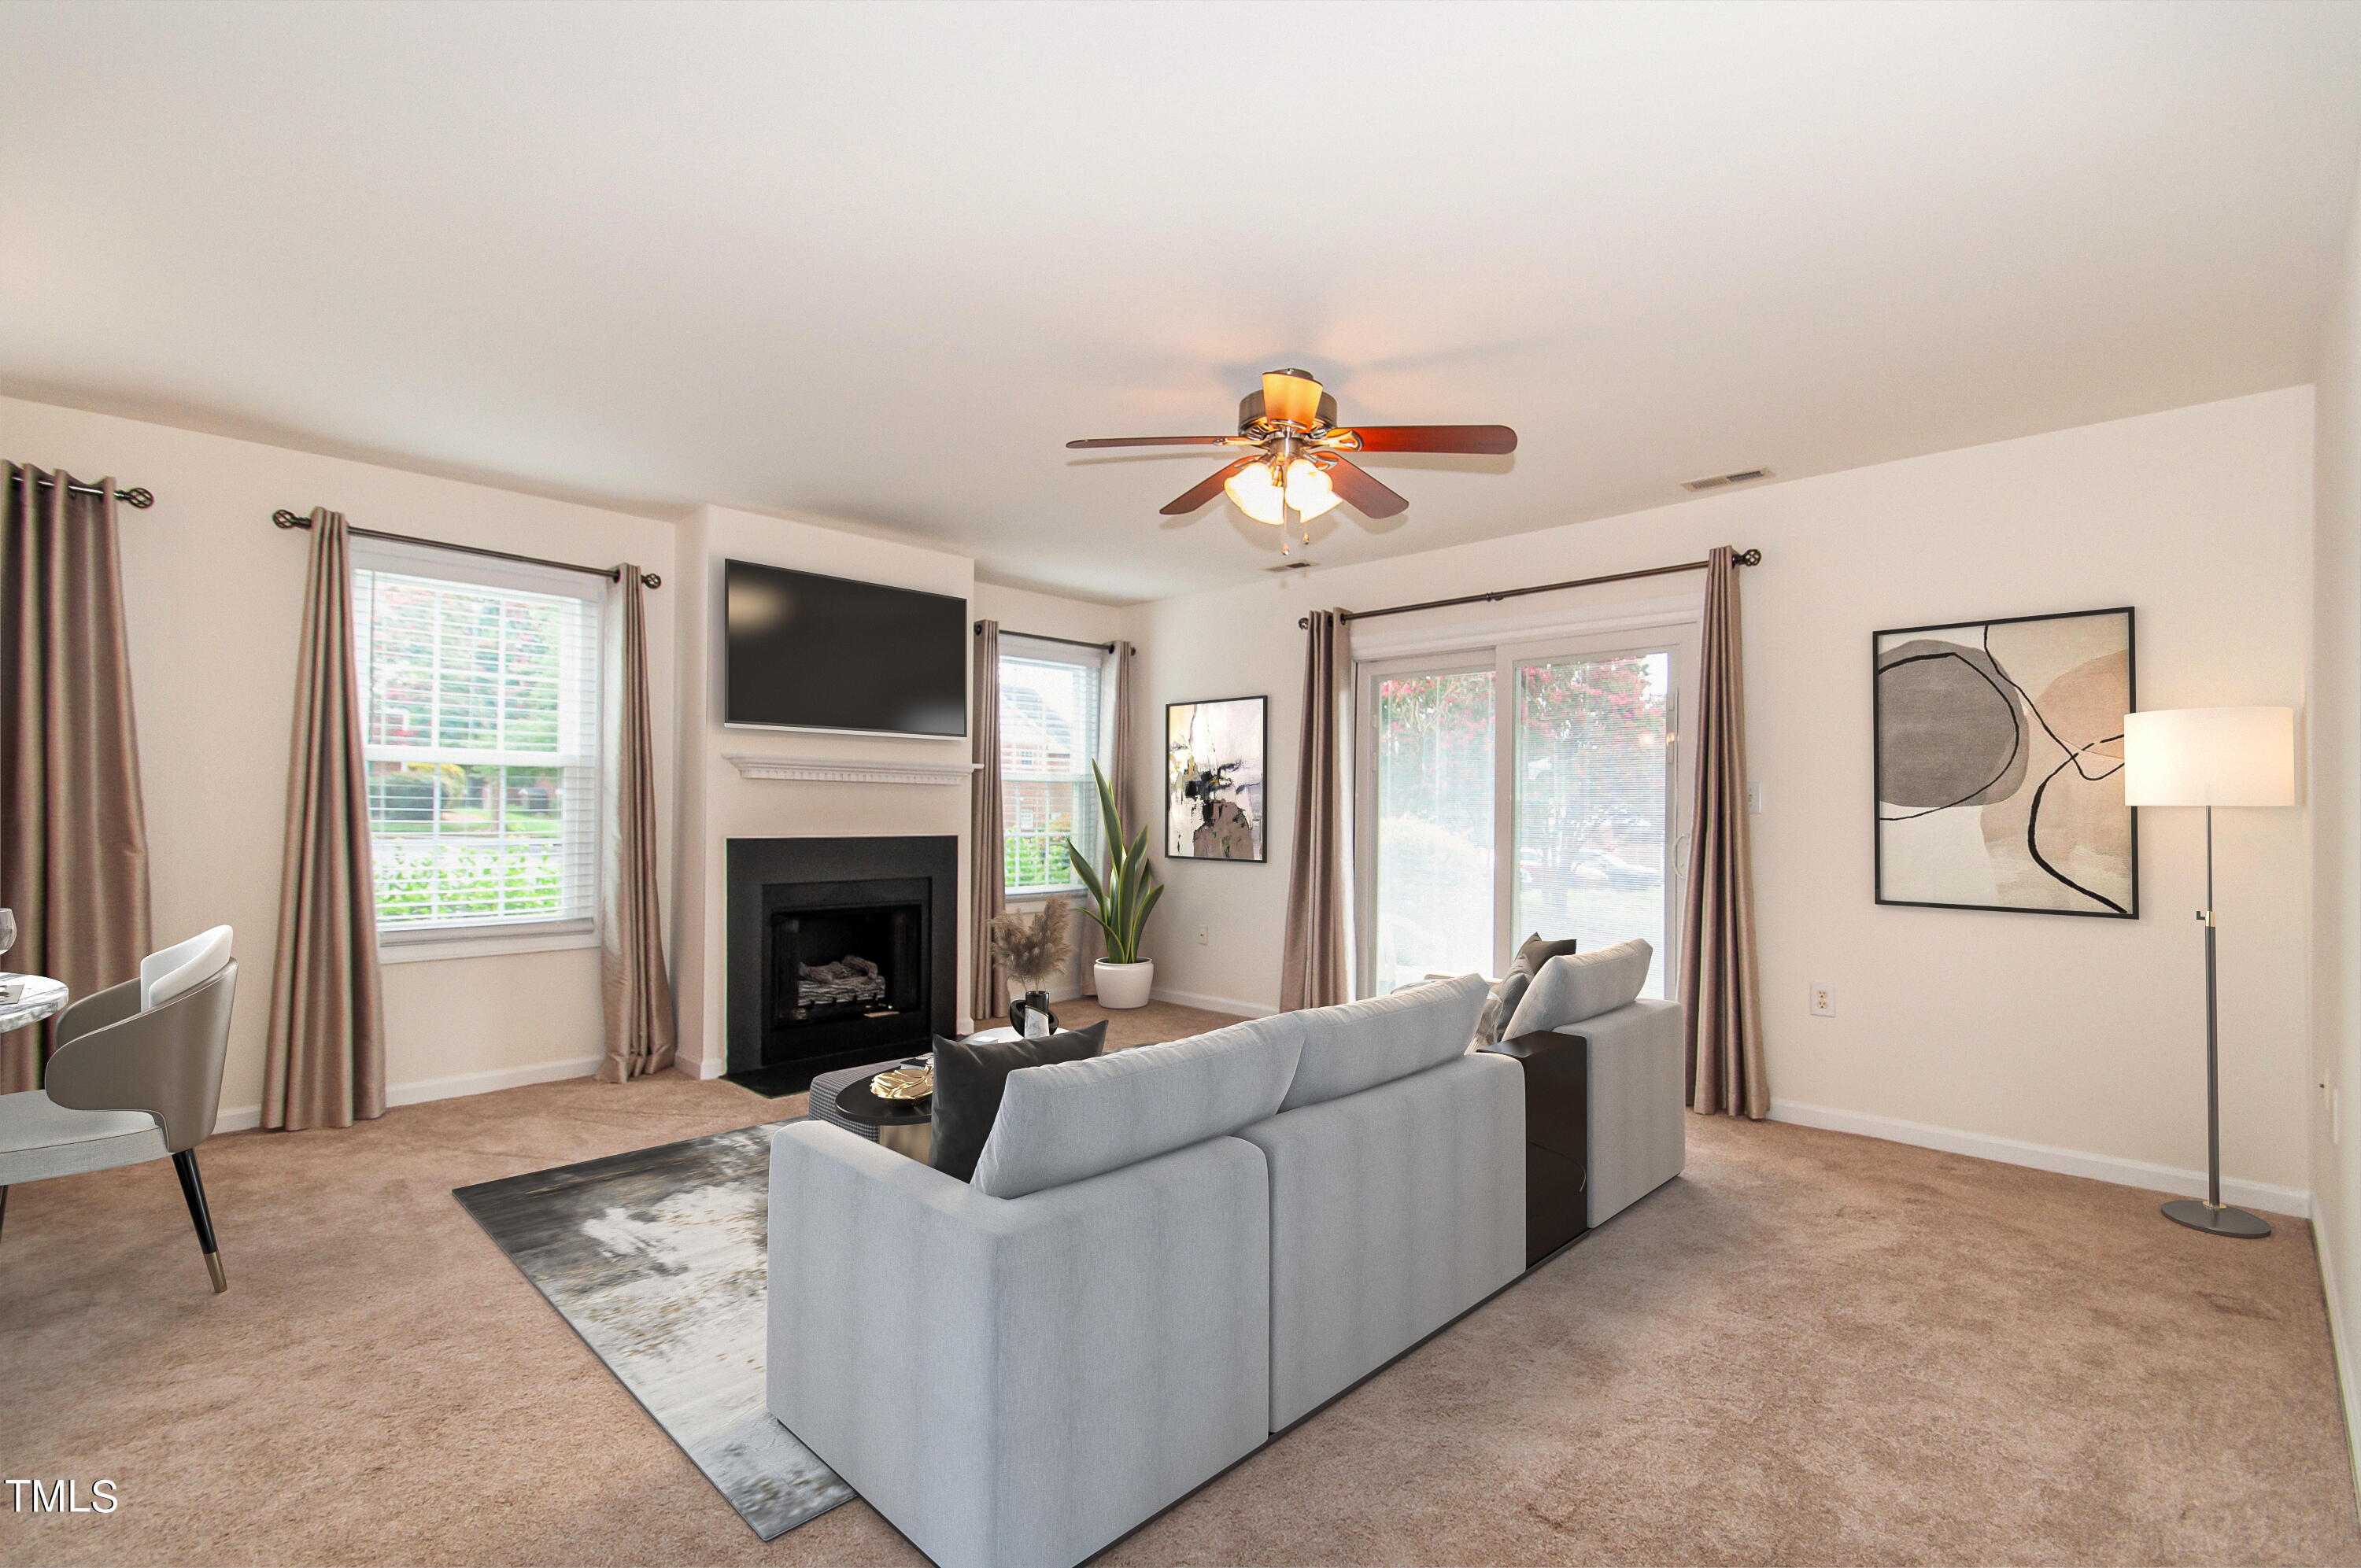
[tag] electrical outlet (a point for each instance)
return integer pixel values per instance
(1204, 936)
(1824, 1001)
(1755, 800)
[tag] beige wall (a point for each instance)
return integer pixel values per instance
(214, 598)
(2079, 1037)
(2334, 777)
(2065, 1035)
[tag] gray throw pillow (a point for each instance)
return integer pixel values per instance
(1570, 989)
(1536, 952)
(1501, 1005)
(971, 1077)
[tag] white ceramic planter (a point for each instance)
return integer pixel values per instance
(1124, 985)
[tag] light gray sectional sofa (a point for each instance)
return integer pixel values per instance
(1638, 1093)
(1166, 1254)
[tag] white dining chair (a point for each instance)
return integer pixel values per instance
(136, 1075)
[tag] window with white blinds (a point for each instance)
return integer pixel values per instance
(480, 697)
(1048, 735)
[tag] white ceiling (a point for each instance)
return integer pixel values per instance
(880, 262)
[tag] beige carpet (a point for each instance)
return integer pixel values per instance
(1811, 1349)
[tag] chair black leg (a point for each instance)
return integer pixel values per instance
(193, 1187)
(4, 1207)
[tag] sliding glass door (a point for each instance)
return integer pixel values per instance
(1515, 789)
(1594, 800)
(1430, 785)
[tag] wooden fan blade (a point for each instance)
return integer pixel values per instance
(1485, 438)
(1190, 500)
(1155, 440)
(1361, 490)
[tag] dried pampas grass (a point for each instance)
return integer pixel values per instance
(1033, 948)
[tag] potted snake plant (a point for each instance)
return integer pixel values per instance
(1119, 904)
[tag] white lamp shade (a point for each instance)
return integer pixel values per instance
(2209, 756)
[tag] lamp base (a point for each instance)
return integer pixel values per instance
(2199, 1216)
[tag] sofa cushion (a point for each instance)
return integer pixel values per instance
(970, 1077)
(1064, 1122)
(1582, 985)
(1359, 1044)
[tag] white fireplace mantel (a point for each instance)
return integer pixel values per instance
(818, 770)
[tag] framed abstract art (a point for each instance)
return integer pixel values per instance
(1999, 756)
(1212, 775)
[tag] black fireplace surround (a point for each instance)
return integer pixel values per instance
(841, 951)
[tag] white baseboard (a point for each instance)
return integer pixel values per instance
(2042, 1157)
(417, 1092)
(2341, 1350)
(1213, 1004)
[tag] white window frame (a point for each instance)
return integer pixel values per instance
(1674, 623)
(1016, 645)
(421, 944)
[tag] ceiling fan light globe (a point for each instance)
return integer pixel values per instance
(1256, 495)
(1309, 490)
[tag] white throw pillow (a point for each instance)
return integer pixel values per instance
(1582, 985)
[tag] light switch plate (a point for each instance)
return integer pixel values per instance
(1755, 800)
(1824, 1001)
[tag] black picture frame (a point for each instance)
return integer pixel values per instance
(2127, 911)
(1171, 800)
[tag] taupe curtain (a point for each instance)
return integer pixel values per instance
(73, 838)
(1114, 718)
(986, 895)
(638, 989)
(327, 1061)
(1313, 971)
(1720, 998)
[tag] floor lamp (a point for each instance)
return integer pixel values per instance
(2210, 756)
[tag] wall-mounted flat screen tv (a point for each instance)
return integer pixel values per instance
(806, 651)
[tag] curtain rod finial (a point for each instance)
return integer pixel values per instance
(1750, 557)
(286, 519)
(138, 496)
(650, 579)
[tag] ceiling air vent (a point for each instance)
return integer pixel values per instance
(1745, 476)
(1291, 566)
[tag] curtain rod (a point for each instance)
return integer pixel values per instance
(285, 518)
(1069, 642)
(1745, 558)
(134, 496)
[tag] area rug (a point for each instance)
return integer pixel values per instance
(657, 1259)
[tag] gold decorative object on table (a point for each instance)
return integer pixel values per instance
(904, 1083)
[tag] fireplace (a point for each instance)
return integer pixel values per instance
(842, 952)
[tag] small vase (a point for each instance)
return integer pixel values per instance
(1030, 1016)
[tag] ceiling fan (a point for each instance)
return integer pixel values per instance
(1298, 462)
